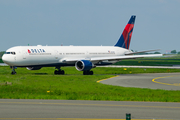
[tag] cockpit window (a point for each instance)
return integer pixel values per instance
(13, 53)
(7, 52)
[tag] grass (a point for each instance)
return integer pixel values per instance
(43, 84)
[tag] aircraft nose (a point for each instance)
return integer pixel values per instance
(4, 58)
(7, 59)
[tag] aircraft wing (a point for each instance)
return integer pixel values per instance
(124, 57)
(111, 58)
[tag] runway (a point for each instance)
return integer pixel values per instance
(13, 109)
(166, 81)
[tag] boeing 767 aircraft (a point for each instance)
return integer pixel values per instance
(84, 58)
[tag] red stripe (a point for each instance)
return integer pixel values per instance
(29, 51)
(127, 29)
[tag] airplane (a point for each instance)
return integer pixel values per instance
(84, 58)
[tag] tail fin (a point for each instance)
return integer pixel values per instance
(125, 39)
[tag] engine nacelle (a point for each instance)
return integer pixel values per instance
(33, 68)
(83, 65)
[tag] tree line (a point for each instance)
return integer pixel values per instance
(172, 52)
(175, 52)
(1, 54)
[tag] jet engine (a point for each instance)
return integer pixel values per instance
(33, 68)
(83, 65)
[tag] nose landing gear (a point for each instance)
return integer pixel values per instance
(13, 70)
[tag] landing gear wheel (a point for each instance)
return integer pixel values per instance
(59, 71)
(91, 72)
(13, 70)
(62, 72)
(55, 72)
(84, 73)
(13, 73)
(87, 72)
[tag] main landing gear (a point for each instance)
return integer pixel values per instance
(87, 72)
(59, 71)
(13, 70)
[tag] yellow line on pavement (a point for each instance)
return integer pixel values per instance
(107, 78)
(174, 84)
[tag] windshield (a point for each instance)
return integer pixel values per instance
(13, 53)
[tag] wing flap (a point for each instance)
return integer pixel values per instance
(124, 57)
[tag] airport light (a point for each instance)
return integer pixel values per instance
(128, 116)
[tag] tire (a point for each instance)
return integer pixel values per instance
(84, 72)
(90, 72)
(13, 73)
(87, 72)
(62, 72)
(55, 72)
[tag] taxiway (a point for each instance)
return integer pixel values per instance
(166, 81)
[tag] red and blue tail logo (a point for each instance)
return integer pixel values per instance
(125, 39)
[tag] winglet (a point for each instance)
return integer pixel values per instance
(125, 39)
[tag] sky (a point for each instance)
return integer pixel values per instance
(89, 23)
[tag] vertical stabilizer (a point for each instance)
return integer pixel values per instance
(125, 38)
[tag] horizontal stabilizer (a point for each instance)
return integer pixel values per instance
(141, 52)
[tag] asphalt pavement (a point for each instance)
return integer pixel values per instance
(165, 81)
(19, 109)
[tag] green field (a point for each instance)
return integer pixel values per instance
(43, 84)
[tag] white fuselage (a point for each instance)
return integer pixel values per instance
(25, 56)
